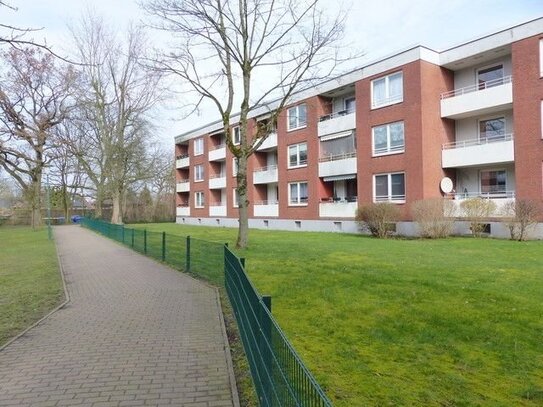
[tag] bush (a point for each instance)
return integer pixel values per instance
(477, 210)
(520, 216)
(435, 217)
(378, 218)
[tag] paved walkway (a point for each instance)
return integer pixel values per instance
(134, 333)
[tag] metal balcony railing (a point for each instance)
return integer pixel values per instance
(336, 114)
(181, 156)
(478, 141)
(337, 157)
(270, 202)
(264, 169)
(496, 193)
(477, 87)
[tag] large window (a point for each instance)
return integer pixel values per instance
(199, 200)
(387, 90)
(337, 146)
(492, 129)
(297, 117)
(389, 187)
(199, 146)
(297, 193)
(198, 172)
(493, 182)
(350, 104)
(297, 155)
(235, 166)
(388, 138)
(235, 198)
(236, 135)
(489, 77)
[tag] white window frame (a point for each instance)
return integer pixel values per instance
(236, 135)
(541, 57)
(199, 146)
(295, 109)
(235, 200)
(387, 101)
(298, 202)
(199, 173)
(235, 167)
(388, 151)
(401, 199)
(541, 117)
(300, 164)
(199, 199)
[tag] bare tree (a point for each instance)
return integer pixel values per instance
(35, 97)
(115, 101)
(259, 49)
(520, 216)
(163, 185)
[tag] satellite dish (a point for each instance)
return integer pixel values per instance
(446, 185)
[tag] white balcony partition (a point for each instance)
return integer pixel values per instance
(183, 186)
(266, 209)
(182, 162)
(270, 143)
(217, 210)
(474, 100)
(478, 152)
(183, 211)
(217, 182)
(265, 175)
(337, 123)
(337, 165)
(218, 154)
(337, 209)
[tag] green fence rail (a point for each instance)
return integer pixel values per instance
(280, 377)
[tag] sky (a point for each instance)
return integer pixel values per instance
(376, 28)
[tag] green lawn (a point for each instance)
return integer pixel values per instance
(452, 322)
(30, 283)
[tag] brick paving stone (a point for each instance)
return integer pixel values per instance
(135, 332)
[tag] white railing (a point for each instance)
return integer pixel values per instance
(272, 202)
(181, 156)
(486, 195)
(474, 88)
(477, 141)
(215, 176)
(337, 157)
(336, 114)
(217, 204)
(222, 145)
(389, 149)
(387, 101)
(390, 198)
(336, 200)
(268, 168)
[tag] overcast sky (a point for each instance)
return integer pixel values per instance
(376, 27)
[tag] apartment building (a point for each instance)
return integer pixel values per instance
(460, 123)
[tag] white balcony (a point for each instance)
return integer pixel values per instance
(499, 199)
(337, 209)
(266, 209)
(218, 153)
(217, 210)
(337, 123)
(472, 152)
(183, 186)
(217, 182)
(335, 165)
(182, 161)
(479, 99)
(270, 143)
(265, 175)
(183, 211)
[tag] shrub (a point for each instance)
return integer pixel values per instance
(520, 216)
(378, 218)
(477, 210)
(435, 217)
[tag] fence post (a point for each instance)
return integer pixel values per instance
(123, 232)
(145, 241)
(266, 349)
(187, 260)
(132, 238)
(163, 246)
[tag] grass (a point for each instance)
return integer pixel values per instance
(30, 283)
(451, 322)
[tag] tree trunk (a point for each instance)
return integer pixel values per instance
(117, 215)
(243, 230)
(35, 201)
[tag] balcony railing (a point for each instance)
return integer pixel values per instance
(264, 169)
(271, 202)
(181, 156)
(337, 157)
(477, 87)
(217, 147)
(478, 141)
(336, 114)
(496, 194)
(390, 198)
(338, 200)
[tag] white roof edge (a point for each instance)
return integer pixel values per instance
(480, 44)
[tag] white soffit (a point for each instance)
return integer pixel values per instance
(336, 135)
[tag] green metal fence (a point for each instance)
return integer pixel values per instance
(280, 377)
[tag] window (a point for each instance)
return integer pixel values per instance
(236, 135)
(297, 193)
(389, 187)
(235, 166)
(489, 77)
(337, 146)
(493, 182)
(492, 129)
(199, 200)
(198, 172)
(388, 138)
(199, 146)
(387, 91)
(297, 155)
(350, 105)
(541, 57)
(235, 197)
(296, 117)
